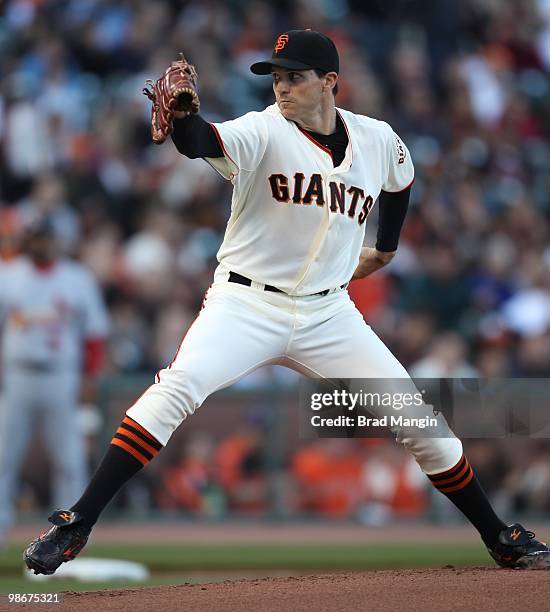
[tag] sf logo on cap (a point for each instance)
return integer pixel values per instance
(281, 42)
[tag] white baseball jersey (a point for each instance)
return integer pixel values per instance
(297, 222)
(47, 314)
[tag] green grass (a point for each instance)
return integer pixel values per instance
(171, 564)
(170, 558)
(22, 585)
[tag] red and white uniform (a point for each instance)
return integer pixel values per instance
(48, 314)
(46, 317)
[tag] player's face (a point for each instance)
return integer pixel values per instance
(42, 248)
(297, 92)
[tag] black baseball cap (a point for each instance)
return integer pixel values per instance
(301, 50)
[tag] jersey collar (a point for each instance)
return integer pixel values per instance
(349, 150)
(347, 162)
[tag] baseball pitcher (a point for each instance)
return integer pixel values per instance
(305, 175)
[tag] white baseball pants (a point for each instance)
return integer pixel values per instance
(241, 328)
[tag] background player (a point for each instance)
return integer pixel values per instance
(305, 177)
(54, 327)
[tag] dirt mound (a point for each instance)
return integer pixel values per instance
(448, 589)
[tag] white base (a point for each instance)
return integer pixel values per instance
(95, 570)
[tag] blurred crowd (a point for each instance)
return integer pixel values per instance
(465, 84)
(370, 480)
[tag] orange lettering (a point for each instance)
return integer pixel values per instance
(281, 42)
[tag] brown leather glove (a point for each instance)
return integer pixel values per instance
(176, 90)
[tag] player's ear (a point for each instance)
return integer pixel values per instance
(330, 79)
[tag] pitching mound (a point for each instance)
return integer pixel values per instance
(402, 590)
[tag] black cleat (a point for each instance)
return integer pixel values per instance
(517, 548)
(59, 544)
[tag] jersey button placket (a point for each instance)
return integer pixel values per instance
(317, 256)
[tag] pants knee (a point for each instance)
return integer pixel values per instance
(166, 403)
(434, 455)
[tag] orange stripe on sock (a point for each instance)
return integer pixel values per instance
(463, 471)
(137, 426)
(458, 486)
(137, 439)
(129, 449)
(446, 472)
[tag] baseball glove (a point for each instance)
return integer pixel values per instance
(176, 90)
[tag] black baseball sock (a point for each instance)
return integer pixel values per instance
(132, 447)
(462, 487)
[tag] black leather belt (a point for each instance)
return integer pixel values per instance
(235, 277)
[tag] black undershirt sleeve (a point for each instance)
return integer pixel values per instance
(194, 137)
(392, 209)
